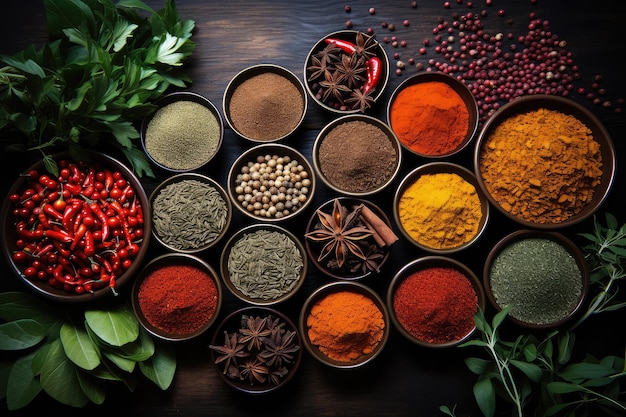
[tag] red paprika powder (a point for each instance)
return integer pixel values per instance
(178, 299)
(436, 305)
(429, 118)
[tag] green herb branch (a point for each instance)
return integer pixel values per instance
(98, 76)
(535, 372)
(74, 356)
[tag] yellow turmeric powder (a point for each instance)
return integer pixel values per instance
(345, 325)
(541, 166)
(440, 210)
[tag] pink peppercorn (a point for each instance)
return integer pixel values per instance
(405, 22)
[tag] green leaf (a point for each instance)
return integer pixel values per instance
(21, 334)
(565, 347)
(578, 372)
(63, 14)
(59, 378)
(161, 367)
(79, 347)
(139, 350)
(477, 366)
(19, 305)
(122, 31)
(558, 387)
(530, 352)
(22, 385)
(499, 317)
(485, 396)
(126, 365)
(93, 388)
(116, 325)
(532, 371)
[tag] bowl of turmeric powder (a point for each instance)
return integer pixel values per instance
(440, 208)
(544, 161)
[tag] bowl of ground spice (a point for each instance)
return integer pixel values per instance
(440, 208)
(344, 324)
(346, 72)
(256, 350)
(349, 238)
(542, 275)
(357, 155)
(264, 103)
(545, 161)
(177, 296)
(184, 134)
(190, 212)
(263, 264)
(271, 182)
(434, 115)
(433, 300)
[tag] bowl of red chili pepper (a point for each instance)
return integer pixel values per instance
(346, 72)
(432, 301)
(78, 234)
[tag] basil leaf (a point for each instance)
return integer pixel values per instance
(160, 368)
(59, 378)
(485, 396)
(532, 371)
(79, 347)
(115, 326)
(21, 334)
(22, 385)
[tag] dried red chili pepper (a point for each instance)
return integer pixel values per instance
(373, 68)
(345, 46)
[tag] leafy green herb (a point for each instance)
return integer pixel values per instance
(536, 373)
(72, 356)
(104, 65)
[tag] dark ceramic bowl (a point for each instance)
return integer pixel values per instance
(267, 102)
(262, 266)
(314, 248)
(437, 168)
(565, 106)
(194, 155)
(178, 259)
(250, 156)
(236, 321)
(335, 287)
(349, 36)
(460, 89)
(41, 286)
(357, 160)
(542, 297)
(190, 214)
(421, 264)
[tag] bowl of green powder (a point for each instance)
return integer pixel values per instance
(263, 264)
(541, 275)
(184, 134)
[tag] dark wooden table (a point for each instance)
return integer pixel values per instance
(405, 379)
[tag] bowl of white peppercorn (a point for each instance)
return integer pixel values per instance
(184, 133)
(271, 182)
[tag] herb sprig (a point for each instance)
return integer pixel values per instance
(533, 372)
(100, 72)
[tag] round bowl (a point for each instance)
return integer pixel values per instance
(263, 264)
(276, 366)
(432, 301)
(353, 100)
(433, 104)
(357, 305)
(540, 274)
(264, 103)
(356, 155)
(375, 248)
(277, 208)
(190, 212)
(184, 134)
(428, 220)
(551, 190)
(21, 247)
(165, 306)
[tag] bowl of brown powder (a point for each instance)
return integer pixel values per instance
(264, 103)
(357, 155)
(545, 161)
(184, 134)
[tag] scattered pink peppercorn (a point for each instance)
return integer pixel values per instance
(348, 9)
(348, 24)
(446, 4)
(372, 10)
(422, 51)
(414, 4)
(394, 44)
(396, 55)
(501, 12)
(406, 22)
(383, 25)
(391, 27)
(398, 71)
(403, 43)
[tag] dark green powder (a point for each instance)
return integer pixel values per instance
(539, 278)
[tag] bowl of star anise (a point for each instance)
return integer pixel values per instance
(256, 350)
(349, 238)
(346, 72)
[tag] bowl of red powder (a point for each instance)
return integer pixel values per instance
(433, 115)
(344, 324)
(177, 296)
(433, 300)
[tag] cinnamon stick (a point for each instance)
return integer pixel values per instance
(379, 240)
(384, 231)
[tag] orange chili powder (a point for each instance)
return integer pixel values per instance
(429, 118)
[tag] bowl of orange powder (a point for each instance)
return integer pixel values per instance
(433, 115)
(344, 324)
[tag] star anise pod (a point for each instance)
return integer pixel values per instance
(276, 375)
(329, 53)
(230, 351)
(253, 332)
(371, 262)
(254, 371)
(333, 86)
(360, 100)
(350, 69)
(279, 349)
(365, 45)
(338, 233)
(318, 68)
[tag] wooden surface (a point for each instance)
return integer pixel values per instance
(406, 379)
